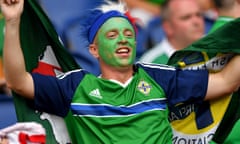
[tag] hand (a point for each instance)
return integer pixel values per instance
(11, 9)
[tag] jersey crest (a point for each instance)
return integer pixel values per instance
(144, 87)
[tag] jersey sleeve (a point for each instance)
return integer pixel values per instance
(180, 86)
(53, 95)
(188, 86)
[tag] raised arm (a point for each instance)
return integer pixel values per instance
(18, 79)
(225, 82)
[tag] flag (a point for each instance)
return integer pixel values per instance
(218, 119)
(43, 53)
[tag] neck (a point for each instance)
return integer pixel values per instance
(121, 74)
(177, 45)
(233, 12)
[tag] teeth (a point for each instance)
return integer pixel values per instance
(122, 50)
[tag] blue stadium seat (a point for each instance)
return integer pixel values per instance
(7, 111)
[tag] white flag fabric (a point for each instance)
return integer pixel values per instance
(24, 133)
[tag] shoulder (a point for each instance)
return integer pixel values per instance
(156, 69)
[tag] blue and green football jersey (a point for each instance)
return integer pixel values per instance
(106, 111)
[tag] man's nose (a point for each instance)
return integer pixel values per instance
(122, 39)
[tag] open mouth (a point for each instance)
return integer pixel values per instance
(123, 50)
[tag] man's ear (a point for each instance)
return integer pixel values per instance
(94, 50)
(167, 28)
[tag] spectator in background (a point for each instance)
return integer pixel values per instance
(183, 24)
(227, 10)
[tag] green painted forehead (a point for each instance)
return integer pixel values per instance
(117, 23)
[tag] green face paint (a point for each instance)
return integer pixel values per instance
(116, 42)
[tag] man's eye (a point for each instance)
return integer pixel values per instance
(128, 33)
(111, 34)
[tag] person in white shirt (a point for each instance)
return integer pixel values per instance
(183, 23)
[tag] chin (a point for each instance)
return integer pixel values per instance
(125, 65)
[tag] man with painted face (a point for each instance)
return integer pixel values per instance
(115, 44)
(127, 103)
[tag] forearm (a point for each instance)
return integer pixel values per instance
(14, 65)
(225, 82)
(231, 73)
